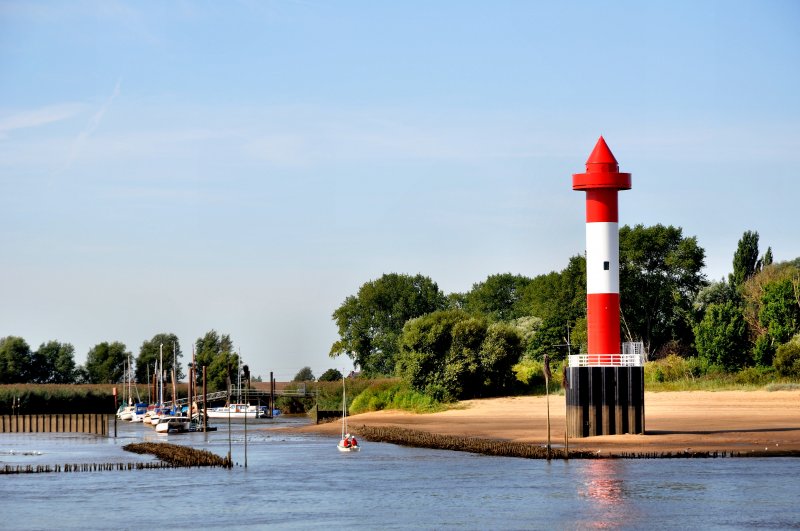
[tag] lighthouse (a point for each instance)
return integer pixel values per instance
(605, 394)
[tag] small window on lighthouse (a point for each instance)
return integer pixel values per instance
(606, 266)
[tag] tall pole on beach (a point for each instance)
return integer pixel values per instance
(547, 376)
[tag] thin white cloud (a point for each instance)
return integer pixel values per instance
(38, 117)
(91, 126)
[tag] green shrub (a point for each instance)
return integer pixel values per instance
(393, 394)
(787, 358)
(670, 369)
(754, 376)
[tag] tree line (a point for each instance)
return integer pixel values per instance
(112, 362)
(463, 345)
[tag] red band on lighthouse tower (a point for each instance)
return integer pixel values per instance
(601, 182)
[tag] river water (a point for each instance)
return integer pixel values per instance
(301, 481)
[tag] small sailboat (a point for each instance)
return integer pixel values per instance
(347, 443)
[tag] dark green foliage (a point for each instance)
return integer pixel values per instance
(370, 322)
(453, 355)
(54, 362)
(105, 363)
(764, 350)
(304, 375)
(150, 353)
(16, 360)
(498, 297)
(331, 375)
(715, 293)
(223, 371)
(721, 337)
(787, 358)
(780, 310)
(767, 260)
(660, 276)
(557, 298)
(215, 352)
(745, 259)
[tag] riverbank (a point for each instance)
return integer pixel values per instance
(695, 421)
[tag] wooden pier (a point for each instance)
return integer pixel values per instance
(96, 423)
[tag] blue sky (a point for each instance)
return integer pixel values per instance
(245, 166)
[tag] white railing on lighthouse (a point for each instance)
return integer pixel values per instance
(633, 355)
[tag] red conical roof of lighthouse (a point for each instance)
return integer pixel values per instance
(601, 154)
(602, 171)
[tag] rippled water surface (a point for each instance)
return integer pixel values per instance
(303, 482)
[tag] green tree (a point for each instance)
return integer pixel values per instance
(558, 299)
(370, 322)
(745, 259)
(451, 354)
(660, 276)
(770, 303)
(222, 373)
(714, 293)
(105, 362)
(215, 352)
(151, 352)
(331, 375)
(16, 360)
(767, 260)
(500, 351)
(304, 375)
(55, 363)
(498, 297)
(780, 312)
(721, 337)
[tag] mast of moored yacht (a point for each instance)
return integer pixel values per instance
(161, 375)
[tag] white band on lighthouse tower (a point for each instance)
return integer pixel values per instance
(602, 257)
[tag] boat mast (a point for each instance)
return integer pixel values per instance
(344, 409)
(174, 374)
(161, 374)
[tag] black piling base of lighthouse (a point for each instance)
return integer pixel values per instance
(605, 401)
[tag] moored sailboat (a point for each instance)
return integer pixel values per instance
(347, 443)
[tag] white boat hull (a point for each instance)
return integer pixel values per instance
(343, 448)
(173, 425)
(236, 411)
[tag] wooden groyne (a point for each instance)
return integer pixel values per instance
(170, 455)
(179, 456)
(57, 423)
(421, 439)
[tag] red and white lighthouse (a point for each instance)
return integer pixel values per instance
(601, 182)
(605, 387)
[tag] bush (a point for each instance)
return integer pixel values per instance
(670, 369)
(754, 376)
(390, 394)
(787, 358)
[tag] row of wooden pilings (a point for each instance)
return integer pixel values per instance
(58, 423)
(169, 455)
(81, 467)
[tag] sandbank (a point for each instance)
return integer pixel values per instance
(696, 421)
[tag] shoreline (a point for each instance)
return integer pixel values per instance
(677, 424)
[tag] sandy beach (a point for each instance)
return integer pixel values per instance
(698, 421)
